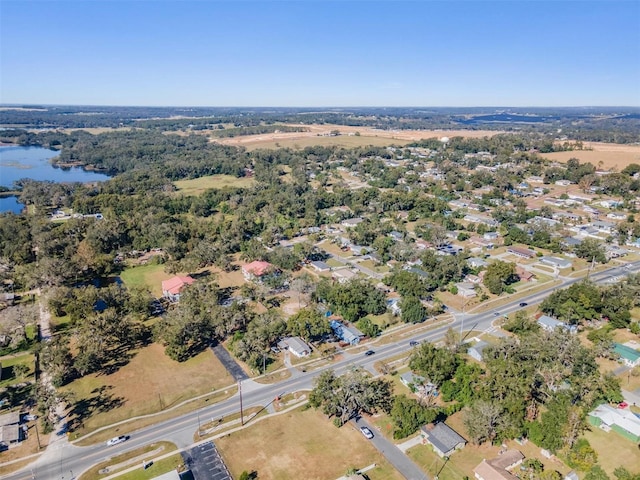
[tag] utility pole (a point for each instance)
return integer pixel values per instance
(198, 423)
(241, 411)
(38, 437)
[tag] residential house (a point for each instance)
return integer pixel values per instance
(629, 356)
(257, 270)
(555, 262)
(320, 266)
(550, 324)
(616, 215)
(524, 275)
(409, 379)
(295, 345)
(498, 468)
(522, 252)
(476, 262)
(614, 251)
(572, 475)
(342, 275)
(351, 222)
(604, 227)
(475, 351)
(397, 236)
(351, 335)
(482, 242)
(10, 431)
(444, 439)
(393, 305)
(466, 289)
(172, 288)
(620, 420)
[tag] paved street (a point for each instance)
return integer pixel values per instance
(60, 461)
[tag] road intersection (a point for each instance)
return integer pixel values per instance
(63, 459)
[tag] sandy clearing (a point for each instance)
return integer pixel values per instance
(602, 155)
(324, 130)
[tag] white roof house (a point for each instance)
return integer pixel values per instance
(556, 262)
(296, 345)
(620, 419)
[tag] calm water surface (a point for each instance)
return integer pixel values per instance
(34, 162)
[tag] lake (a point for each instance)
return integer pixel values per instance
(34, 163)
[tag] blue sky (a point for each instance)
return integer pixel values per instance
(326, 53)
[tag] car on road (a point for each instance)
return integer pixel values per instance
(496, 314)
(368, 353)
(414, 343)
(117, 440)
(366, 432)
(523, 304)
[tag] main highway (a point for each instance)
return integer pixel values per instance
(67, 460)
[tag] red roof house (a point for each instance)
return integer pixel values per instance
(256, 270)
(171, 288)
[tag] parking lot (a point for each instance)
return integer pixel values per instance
(205, 463)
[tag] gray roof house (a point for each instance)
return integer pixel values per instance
(555, 262)
(10, 434)
(295, 345)
(550, 324)
(475, 351)
(320, 266)
(11, 418)
(477, 262)
(410, 378)
(444, 439)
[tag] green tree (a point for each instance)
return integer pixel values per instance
(582, 456)
(412, 310)
(349, 395)
(499, 274)
(409, 415)
(436, 364)
(592, 250)
(308, 323)
(596, 473)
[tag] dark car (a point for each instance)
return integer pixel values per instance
(414, 343)
(368, 353)
(523, 304)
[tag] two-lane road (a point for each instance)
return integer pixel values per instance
(58, 463)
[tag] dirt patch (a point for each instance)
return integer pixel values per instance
(321, 133)
(300, 444)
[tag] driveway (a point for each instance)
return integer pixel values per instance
(229, 363)
(393, 454)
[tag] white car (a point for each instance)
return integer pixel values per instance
(117, 440)
(366, 432)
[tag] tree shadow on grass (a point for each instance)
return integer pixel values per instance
(100, 401)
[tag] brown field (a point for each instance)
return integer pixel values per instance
(602, 155)
(319, 135)
(100, 400)
(301, 444)
(613, 450)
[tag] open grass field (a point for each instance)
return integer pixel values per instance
(614, 450)
(8, 376)
(319, 135)
(149, 383)
(196, 186)
(301, 444)
(149, 276)
(602, 155)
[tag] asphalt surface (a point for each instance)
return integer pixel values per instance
(229, 363)
(205, 463)
(56, 463)
(393, 454)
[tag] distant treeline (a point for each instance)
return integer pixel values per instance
(619, 125)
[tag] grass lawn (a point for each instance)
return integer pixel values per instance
(149, 383)
(613, 450)
(135, 457)
(301, 444)
(196, 186)
(9, 362)
(149, 276)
